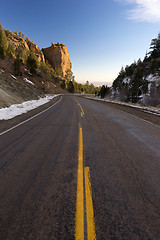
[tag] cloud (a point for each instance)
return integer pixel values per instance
(143, 10)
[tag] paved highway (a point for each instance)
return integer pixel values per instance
(79, 170)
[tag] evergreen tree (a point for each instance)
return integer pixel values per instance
(63, 85)
(17, 66)
(103, 91)
(7, 33)
(3, 42)
(69, 75)
(58, 71)
(23, 55)
(70, 87)
(32, 63)
(155, 47)
(10, 50)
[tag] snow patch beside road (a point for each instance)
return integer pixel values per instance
(18, 109)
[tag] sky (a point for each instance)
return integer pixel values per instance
(101, 35)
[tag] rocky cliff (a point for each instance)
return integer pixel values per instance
(22, 44)
(58, 56)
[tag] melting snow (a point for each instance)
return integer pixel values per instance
(126, 80)
(28, 81)
(152, 78)
(18, 109)
(13, 76)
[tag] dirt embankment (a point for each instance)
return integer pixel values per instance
(26, 87)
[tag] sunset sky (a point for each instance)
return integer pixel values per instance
(101, 35)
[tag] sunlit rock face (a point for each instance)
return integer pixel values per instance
(58, 56)
(20, 44)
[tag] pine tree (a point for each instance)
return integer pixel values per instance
(3, 42)
(70, 87)
(103, 91)
(32, 63)
(155, 47)
(10, 50)
(17, 65)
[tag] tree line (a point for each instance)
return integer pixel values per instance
(132, 83)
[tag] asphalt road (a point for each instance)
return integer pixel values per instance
(39, 173)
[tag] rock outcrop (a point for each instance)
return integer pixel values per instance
(58, 56)
(20, 44)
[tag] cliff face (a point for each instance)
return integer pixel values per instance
(20, 44)
(58, 56)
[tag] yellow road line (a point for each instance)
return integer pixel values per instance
(79, 231)
(82, 112)
(91, 234)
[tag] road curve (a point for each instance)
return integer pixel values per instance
(39, 167)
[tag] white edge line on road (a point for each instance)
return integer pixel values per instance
(30, 118)
(140, 118)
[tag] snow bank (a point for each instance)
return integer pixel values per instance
(18, 109)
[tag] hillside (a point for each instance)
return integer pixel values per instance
(16, 89)
(140, 82)
(25, 73)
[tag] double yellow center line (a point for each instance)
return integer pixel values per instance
(82, 112)
(79, 230)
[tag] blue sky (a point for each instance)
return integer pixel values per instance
(101, 35)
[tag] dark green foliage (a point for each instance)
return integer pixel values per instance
(3, 42)
(155, 47)
(23, 55)
(155, 65)
(63, 85)
(70, 87)
(32, 63)
(10, 50)
(69, 75)
(58, 72)
(103, 91)
(17, 66)
(47, 69)
(7, 33)
(131, 82)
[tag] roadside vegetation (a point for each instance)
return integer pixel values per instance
(140, 82)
